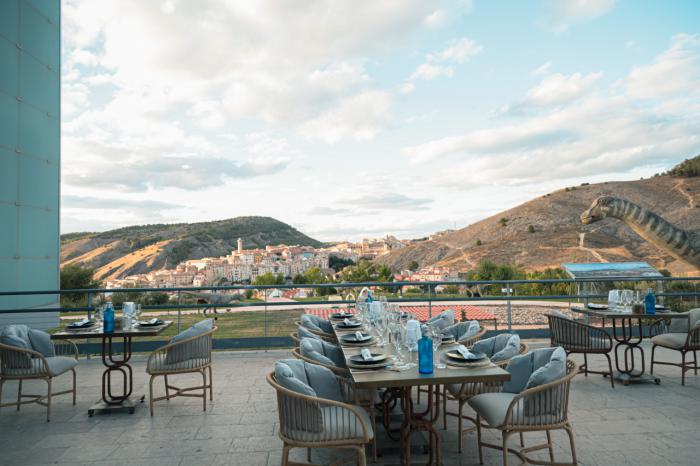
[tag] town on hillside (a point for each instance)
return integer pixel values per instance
(245, 265)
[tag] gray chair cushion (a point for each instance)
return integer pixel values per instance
(671, 340)
(558, 313)
(322, 352)
(553, 370)
(321, 380)
(443, 320)
(191, 350)
(302, 332)
(521, 368)
(510, 350)
(158, 364)
(316, 323)
(288, 378)
(492, 407)
(335, 420)
(57, 365)
(18, 337)
(41, 342)
(462, 330)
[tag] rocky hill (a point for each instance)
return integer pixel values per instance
(140, 249)
(547, 231)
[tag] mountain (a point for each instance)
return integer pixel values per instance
(140, 249)
(547, 231)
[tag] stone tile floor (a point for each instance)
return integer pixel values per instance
(636, 424)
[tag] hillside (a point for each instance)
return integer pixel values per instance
(557, 234)
(140, 249)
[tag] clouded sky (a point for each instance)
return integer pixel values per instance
(360, 118)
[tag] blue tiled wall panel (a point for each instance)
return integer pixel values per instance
(38, 183)
(29, 180)
(9, 20)
(8, 238)
(9, 167)
(38, 133)
(38, 36)
(9, 66)
(38, 233)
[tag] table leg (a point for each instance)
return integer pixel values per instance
(626, 341)
(119, 402)
(420, 422)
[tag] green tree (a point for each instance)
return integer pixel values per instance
(121, 297)
(154, 298)
(503, 221)
(413, 266)
(299, 279)
(269, 279)
(530, 229)
(478, 242)
(339, 263)
(75, 277)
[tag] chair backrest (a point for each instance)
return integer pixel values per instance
(577, 336)
(323, 351)
(443, 320)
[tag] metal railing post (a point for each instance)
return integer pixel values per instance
(510, 310)
(267, 341)
(179, 312)
(430, 302)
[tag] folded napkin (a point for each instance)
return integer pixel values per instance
(359, 336)
(465, 352)
(366, 355)
(413, 333)
(346, 322)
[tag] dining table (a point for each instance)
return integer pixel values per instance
(115, 360)
(400, 383)
(628, 333)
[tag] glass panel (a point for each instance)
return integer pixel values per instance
(39, 37)
(8, 179)
(9, 58)
(8, 235)
(49, 8)
(38, 232)
(38, 134)
(38, 183)
(38, 86)
(9, 20)
(9, 109)
(8, 279)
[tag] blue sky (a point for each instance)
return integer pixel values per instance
(365, 118)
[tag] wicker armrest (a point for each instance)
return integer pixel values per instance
(574, 335)
(474, 338)
(65, 348)
(693, 340)
(549, 402)
(157, 360)
(13, 362)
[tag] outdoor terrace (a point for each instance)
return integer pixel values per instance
(641, 424)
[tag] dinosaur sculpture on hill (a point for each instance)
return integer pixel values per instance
(679, 243)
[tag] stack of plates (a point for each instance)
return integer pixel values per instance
(455, 358)
(342, 315)
(151, 323)
(80, 325)
(448, 339)
(351, 339)
(378, 361)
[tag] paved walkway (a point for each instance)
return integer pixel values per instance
(639, 425)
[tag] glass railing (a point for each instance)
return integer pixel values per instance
(263, 316)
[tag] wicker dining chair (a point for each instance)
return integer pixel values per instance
(26, 364)
(307, 421)
(541, 408)
(683, 336)
(337, 370)
(190, 355)
(579, 338)
(462, 396)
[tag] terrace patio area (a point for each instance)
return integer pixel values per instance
(636, 424)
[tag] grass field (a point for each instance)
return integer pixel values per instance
(245, 324)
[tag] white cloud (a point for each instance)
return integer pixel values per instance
(558, 88)
(358, 117)
(562, 14)
(592, 134)
(429, 71)
(543, 69)
(459, 51)
(674, 72)
(436, 19)
(442, 63)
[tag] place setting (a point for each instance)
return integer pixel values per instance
(83, 324)
(357, 339)
(462, 357)
(348, 324)
(342, 315)
(368, 360)
(155, 322)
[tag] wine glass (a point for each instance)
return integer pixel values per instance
(436, 337)
(98, 315)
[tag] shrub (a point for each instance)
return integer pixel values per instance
(530, 229)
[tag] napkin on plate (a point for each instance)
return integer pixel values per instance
(359, 336)
(346, 322)
(366, 355)
(464, 352)
(82, 323)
